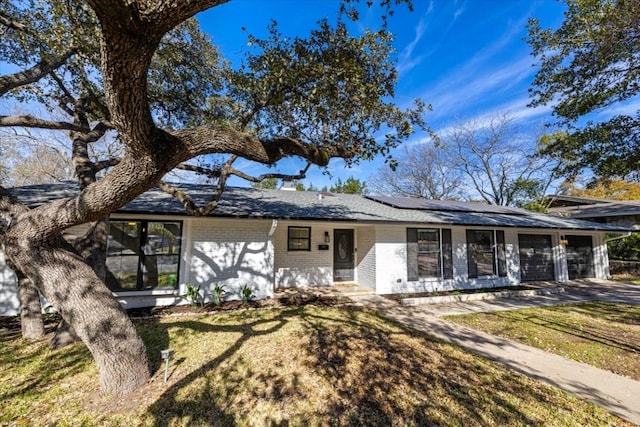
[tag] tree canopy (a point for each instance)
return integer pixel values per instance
(423, 171)
(589, 72)
(498, 160)
(605, 189)
(350, 186)
(144, 71)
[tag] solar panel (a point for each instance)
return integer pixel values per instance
(444, 205)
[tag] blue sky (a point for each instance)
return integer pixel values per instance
(467, 59)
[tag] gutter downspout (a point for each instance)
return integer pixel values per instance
(272, 230)
(622, 236)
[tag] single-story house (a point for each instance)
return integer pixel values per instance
(274, 239)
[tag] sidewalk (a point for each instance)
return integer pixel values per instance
(617, 394)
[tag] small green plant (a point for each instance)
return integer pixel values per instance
(246, 292)
(218, 293)
(193, 295)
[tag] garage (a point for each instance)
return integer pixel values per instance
(580, 257)
(536, 257)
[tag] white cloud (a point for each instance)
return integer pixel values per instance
(627, 108)
(407, 61)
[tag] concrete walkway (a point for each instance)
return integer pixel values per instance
(617, 394)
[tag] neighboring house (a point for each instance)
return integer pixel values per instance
(620, 212)
(272, 239)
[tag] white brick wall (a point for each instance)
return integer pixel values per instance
(391, 259)
(233, 253)
(9, 304)
(391, 269)
(366, 256)
(601, 257)
(303, 268)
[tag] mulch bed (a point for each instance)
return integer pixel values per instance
(290, 300)
(10, 325)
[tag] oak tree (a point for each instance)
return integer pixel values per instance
(589, 72)
(316, 98)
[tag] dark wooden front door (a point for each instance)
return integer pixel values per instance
(343, 255)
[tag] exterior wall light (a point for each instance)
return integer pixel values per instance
(327, 239)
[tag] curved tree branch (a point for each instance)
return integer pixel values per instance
(211, 173)
(224, 139)
(33, 74)
(104, 164)
(301, 175)
(33, 122)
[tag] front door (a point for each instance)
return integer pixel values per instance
(343, 255)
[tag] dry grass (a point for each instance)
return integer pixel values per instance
(286, 366)
(601, 334)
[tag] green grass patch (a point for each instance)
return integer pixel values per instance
(626, 279)
(602, 334)
(288, 366)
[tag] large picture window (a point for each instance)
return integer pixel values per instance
(429, 254)
(486, 253)
(299, 239)
(143, 254)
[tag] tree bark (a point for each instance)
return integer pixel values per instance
(65, 335)
(30, 308)
(88, 306)
(80, 297)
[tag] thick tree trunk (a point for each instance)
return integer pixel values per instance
(83, 301)
(30, 308)
(92, 247)
(98, 319)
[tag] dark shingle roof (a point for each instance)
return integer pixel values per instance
(303, 205)
(600, 210)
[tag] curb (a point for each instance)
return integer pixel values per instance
(479, 296)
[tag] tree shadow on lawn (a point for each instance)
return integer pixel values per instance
(49, 366)
(174, 407)
(350, 368)
(406, 377)
(52, 367)
(605, 335)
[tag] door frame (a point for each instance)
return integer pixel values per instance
(352, 264)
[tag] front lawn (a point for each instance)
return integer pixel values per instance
(602, 334)
(284, 366)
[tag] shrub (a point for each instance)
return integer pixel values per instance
(246, 292)
(218, 293)
(193, 295)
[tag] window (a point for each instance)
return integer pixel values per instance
(299, 239)
(484, 256)
(429, 254)
(143, 254)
